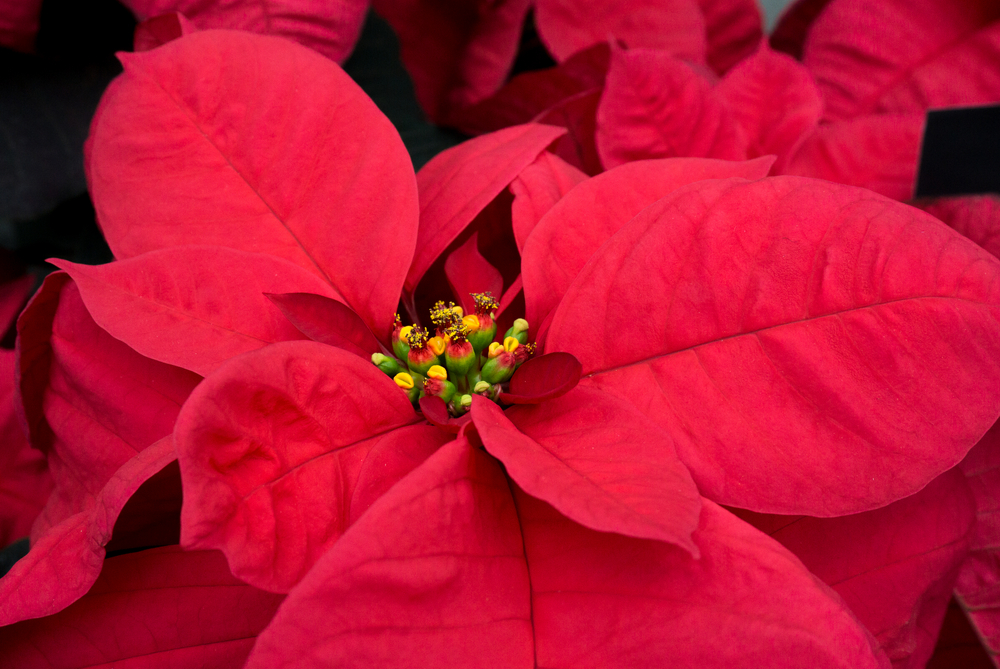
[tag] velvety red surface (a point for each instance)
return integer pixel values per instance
(271, 449)
(224, 165)
(895, 567)
(596, 460)
(901, 56)
(156, 299)
(160, 608)
(771, 291)
(978, 587)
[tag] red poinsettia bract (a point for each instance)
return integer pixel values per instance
(781, 345)
(459, 53)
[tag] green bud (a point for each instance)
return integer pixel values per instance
(499, 369)
(387, 364)
(439, 388)
(459, 358)
(519, 331)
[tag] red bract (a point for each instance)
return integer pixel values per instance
(879, 70)
(911, 548)
(238, 186)
(976, 589)
(904, 56)
(656, 106)
(775, 343)
(459, 54)
(770, 291)
(975, 216)
(102, 414)
(485, 578)
(162, 607)
(25, 481)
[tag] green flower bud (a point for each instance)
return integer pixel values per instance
(519, 331)
(387, 364)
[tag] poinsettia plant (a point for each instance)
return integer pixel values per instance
(780, 345)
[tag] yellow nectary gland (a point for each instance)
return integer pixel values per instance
(471, 323)
(403, 380)
(437, 344)
(496, 348)
(437, 372)
(510, 344)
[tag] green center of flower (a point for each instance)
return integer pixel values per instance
(463, 357)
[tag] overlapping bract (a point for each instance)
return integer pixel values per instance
(768, 343)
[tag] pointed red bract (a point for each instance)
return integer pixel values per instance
(270, 447)
(327, 321)
(156, 608)
(469, 272)
(656, 106)
(101, 402)
(543, 378)
(733, 30)
(459, 183)
(602, 600)
(775, 101)
(432, 575)
(596, 460)
(330, 27)
(158, 30)
(675, 26)
(904, 55)
(811, 347)
(878, 152)
(158, 299)
(66, 557)
(978, 587)
(975, 216)
(536, 190)
(572, 231)
(203, 138)
(25, 481)
(895, 567)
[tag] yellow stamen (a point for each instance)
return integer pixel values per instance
(471, 323)
(510, 344)
(403, 380)
(437, 372)
(496, 348)
(437, 345)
